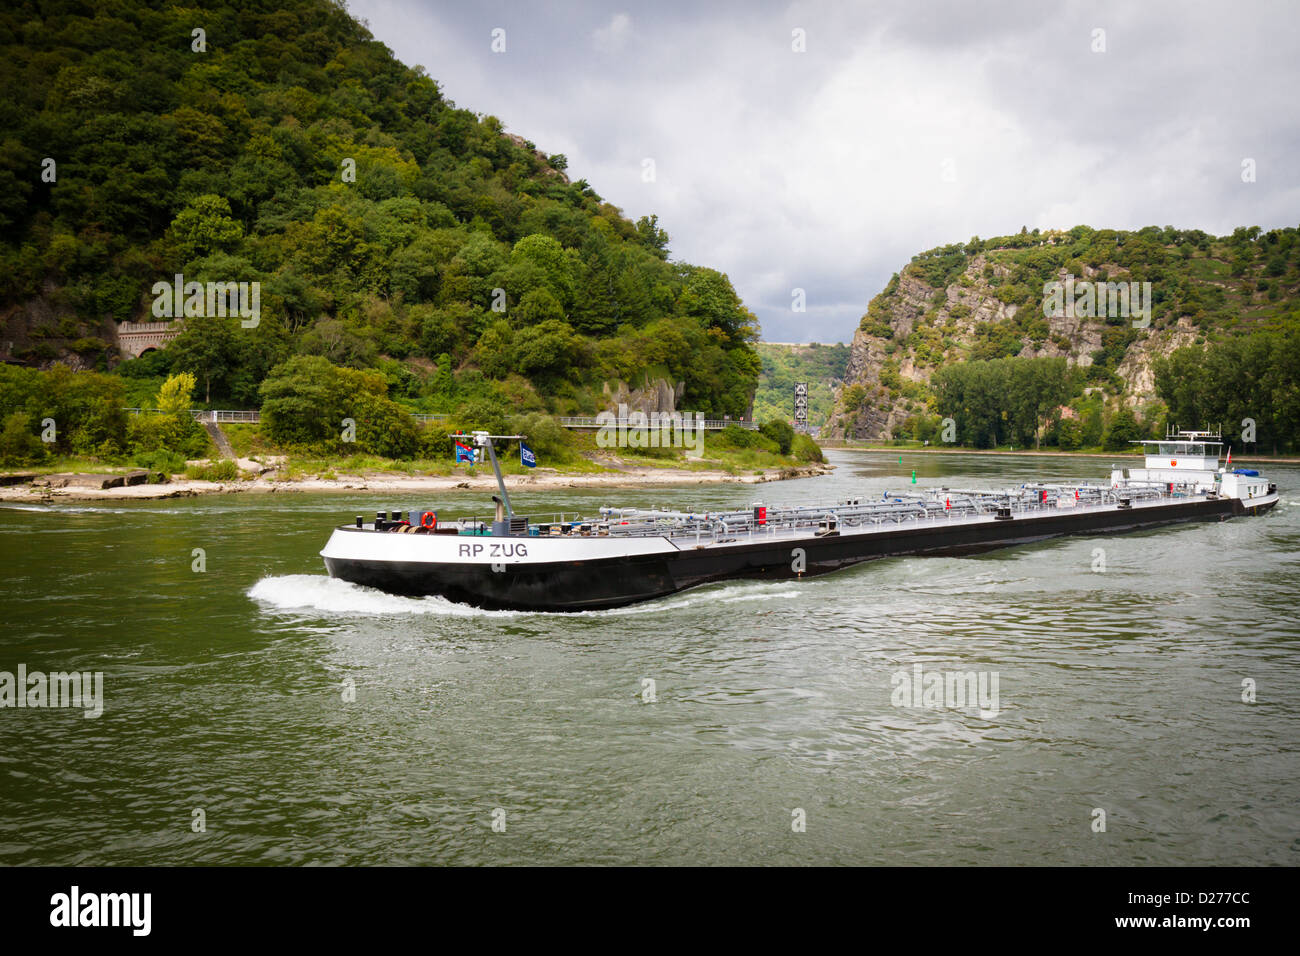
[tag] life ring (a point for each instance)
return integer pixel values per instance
(429, 520)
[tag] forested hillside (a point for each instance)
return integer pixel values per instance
(962, 332)
(390, 230)
(821, 366)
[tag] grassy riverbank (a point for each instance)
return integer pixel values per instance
(259, 467)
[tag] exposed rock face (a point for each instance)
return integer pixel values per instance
(1137, 369)
(525, 144)
(657, 395)
(46, 330)
(948, 319)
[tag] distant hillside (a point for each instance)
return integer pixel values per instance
(821, 366)
(388, 228)
(984, 301)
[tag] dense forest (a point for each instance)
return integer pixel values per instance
(962, 332)
(391, 232)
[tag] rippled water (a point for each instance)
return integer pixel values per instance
(1118, 690)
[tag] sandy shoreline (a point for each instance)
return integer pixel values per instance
(399, 484)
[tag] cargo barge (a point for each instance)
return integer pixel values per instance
(625, 555)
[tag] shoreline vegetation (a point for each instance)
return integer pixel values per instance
(253, 463)
(74, 439)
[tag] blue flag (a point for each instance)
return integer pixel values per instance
(464, 453)
(526, 456)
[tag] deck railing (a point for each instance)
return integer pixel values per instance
(941, 506)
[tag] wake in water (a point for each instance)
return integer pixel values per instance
(321, 593)
(65, 509)
(143, 510)
(318, 592)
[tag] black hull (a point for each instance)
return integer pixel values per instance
(614, 582)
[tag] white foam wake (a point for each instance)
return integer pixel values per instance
(64, 509)
(323, 594)
(318, 592)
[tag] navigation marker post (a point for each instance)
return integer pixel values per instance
(801, 406)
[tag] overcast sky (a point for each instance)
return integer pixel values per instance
(902, 126)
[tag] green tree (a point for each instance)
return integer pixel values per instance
(495, 350)
(205, 348)
(545, 351)
(651, 236)
(205, 226)
(539, 306)
(174, 396)
(1123, 429)
(545, 255)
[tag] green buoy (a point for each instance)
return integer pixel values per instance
(913, 476)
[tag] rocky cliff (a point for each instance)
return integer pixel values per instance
(652, 395)
(985, 299)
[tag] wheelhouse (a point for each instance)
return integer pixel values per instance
(1189, 453)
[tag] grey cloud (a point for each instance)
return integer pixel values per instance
(822, 170)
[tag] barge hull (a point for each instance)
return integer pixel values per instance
(608, 582)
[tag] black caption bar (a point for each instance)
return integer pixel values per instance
(139, 906)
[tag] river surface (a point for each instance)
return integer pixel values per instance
(257, 712)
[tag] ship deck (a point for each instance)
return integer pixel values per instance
(941, 506)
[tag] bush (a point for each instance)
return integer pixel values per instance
(805, 449)
(780, 432)
(160, 459)
(87, 408)
(19, 444)
(224, 470)
(436, 443)
(548, 438)
(484, 414)
(385, 428)
(733, 436)
(178, 434)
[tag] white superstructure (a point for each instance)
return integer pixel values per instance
(1188, 461)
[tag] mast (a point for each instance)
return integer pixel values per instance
(484, 440)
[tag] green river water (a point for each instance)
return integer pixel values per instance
(773, 736)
